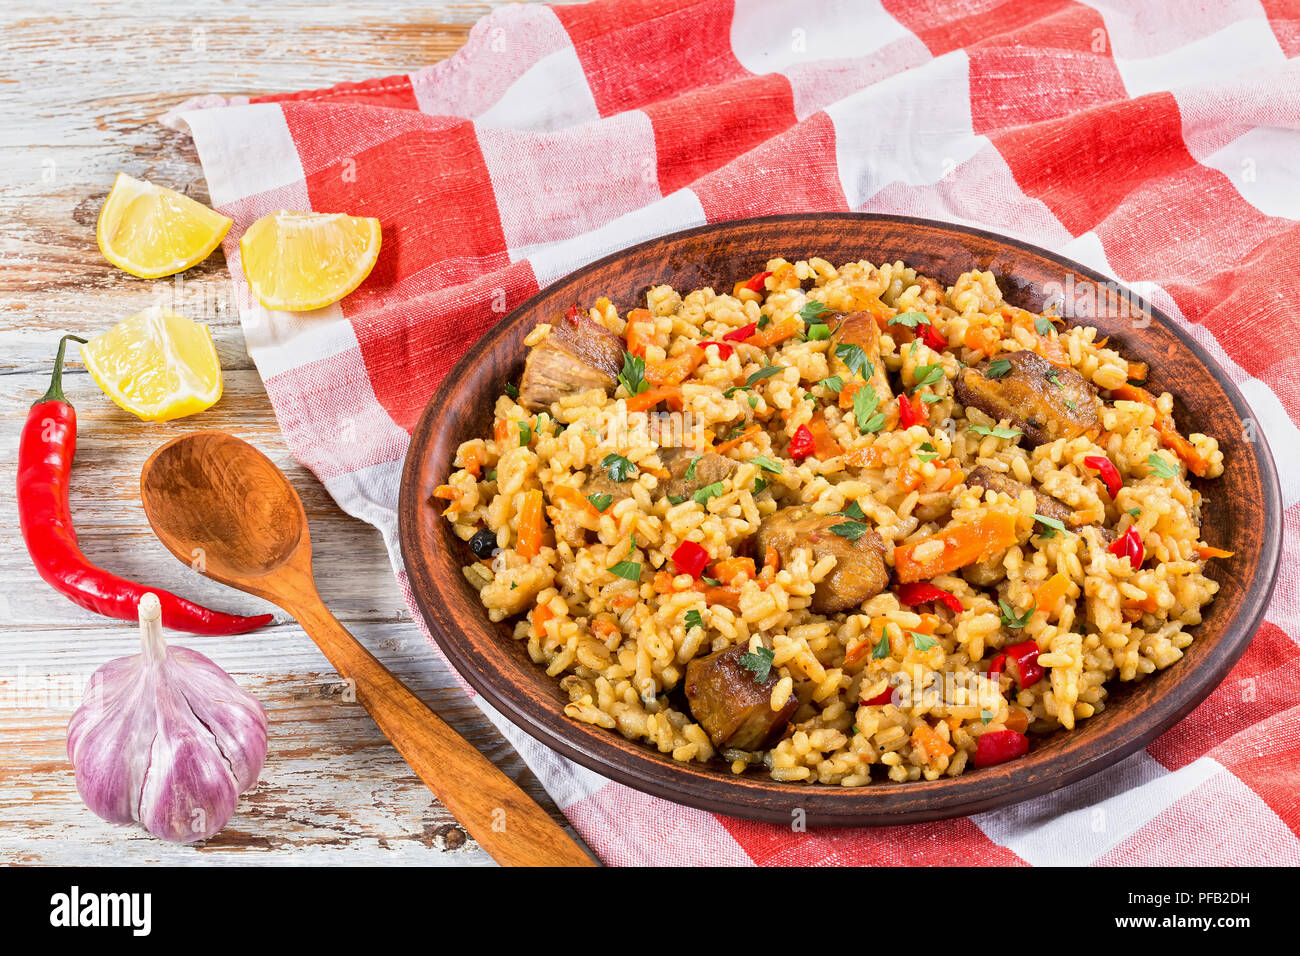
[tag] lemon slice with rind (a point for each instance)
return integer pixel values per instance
(298, 261)
(157, 365)
(151, 232)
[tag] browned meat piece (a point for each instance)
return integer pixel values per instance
(859, 572)
(1044, 504)
(599, 483)
(711, 467)
(860, 328)
(579, 354)
(1042, 400)
(734, 709)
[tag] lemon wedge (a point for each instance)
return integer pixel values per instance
(150, 231)
(156, 364)
(297, 261)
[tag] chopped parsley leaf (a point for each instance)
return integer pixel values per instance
(924, 375)
(881, 650)
(998, 368)
(865, 403)
(855, 358)
(811, 310)
(676, 499)
(1042, 325)
(996, 432)
(1134, 512)
(1052, 523)
(1160, 466)
(850, 529)
(1054, 376)
(618, 467)
(819, 332)
(763, 319)
(910, 319)
(759, 662)
(525, 434)
(1009, 615)
(833, 382)
(759, 485)
(853, 512)
(512, 390)
(930, 399)
(702, 496)
(986, 716)
(694, 619)
(600, 502)
(767, 464)
(633, 375)
(711, 582)
(763, 373)
(922, 642)
(690, 469)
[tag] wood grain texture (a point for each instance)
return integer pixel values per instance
(1242, 514)
(81, 87)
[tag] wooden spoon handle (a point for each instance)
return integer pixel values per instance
(502, 818)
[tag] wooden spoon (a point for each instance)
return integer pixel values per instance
(223, 507)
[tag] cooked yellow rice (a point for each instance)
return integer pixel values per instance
(621, 678)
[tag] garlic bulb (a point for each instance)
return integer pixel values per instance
(166, 738)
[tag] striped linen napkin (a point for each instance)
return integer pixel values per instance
(1158, 143)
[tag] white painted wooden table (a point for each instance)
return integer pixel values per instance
(81, 87)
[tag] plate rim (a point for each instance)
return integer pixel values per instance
(727, 796)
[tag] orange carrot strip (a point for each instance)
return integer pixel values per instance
(962, 544)
(984, 339)
(777, 332)
(739, 440)
(604, 628)
(846, 393)
(728, 570)
(653, 396)
(1018, 720)
(576, 498)
(1050, 595)
(824, 446)
(501, 430)
(868, 457)
(541, 614)
(639, 332)
(727, 597)
(531, 524)
(1205, 551)
(675, 370)
(771, 559)
(473, 460)
(927, 739)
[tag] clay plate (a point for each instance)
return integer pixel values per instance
(1242, 513)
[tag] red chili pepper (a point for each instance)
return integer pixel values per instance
(995, 668)
(724, 348)
(999, 746)
(911, 412)
(802, 444)
(574, 314)
(1025, 654)
(932, 337)
(1129, 545)
(756, 283)
(923, 592)
(1106, 469)
(690, 558)
(45, 452)
(885, 697)
(742, 333)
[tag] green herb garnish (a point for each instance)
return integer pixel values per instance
(819, 332)
(763, 319)
(832, 382)
(996, 432)
(811, 310)
(767, 464)
(853, 512)
(922, 642)
(759, 662)
(512, 390)
(986, 716)
(1009, 615)
(1042, 325)
(910, 319)
(759, 485)
(850, 529)
(924, 375)
(525, 434)
(1052, 525)
(600, 502)
(690, 469)
(1160, 466)
(694, 619)
(763, 373)
(930, 399)
(865, 403)
(676, 499)
(632, 377)
(702, 496)
(856, 359)
(998, 368)
(926, 452)
(492, 475)
(618, 467)
(1134, 512)
(881, 650)
(711, 582)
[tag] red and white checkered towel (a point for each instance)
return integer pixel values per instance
(1158, 142)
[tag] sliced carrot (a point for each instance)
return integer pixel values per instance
(928, 623)
(726, 596)
(501, 430)
(728, 570)
(847, 392)
(869, 457)
(1018, 720)
(604, 628)
(1050, 595)
(857, 652)
(926, 739)
(1205, 551)
(1170, 437)
(787, 328)
(962, 544)
(572, 496)
(450, 495)
(532, 523)
(639, 332)
(824, 446)
(472, 461)
(623, 601)
(982, 339)
(771, 559)
(541, 614)
(751, 432)
(1138, 371)
(675, 370)
(653, 396)
(909, 476)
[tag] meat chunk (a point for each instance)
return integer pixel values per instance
(711, 467)
(1043, 401)
(1046, 505)
(860, 329)
(733, 707)
(859, 572)
(578, 354)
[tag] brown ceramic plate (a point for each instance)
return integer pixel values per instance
(1242, 514)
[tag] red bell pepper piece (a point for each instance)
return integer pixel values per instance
(1107, 471)
(1129, 545)
(802, 444)
(999, 746)
(911, 412)
(742, 333)
(885, 697)
(1025, 654)
(724, 348)
(996, 668)
(756, 283)
(690, 558)
(932, 337)
(923, 592)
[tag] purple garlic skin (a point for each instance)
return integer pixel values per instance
(166, 739)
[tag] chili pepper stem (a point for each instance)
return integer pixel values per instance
(55, 392)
